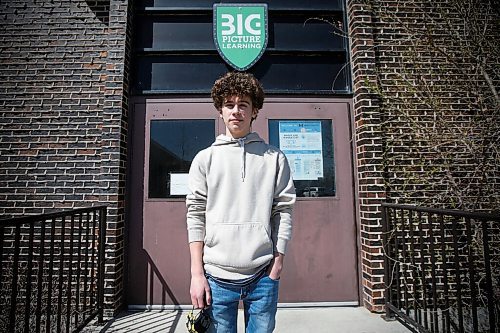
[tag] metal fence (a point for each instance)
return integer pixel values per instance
(52, 271)
(442, 269)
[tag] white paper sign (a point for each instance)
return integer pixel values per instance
(302, 144)
(179, 184)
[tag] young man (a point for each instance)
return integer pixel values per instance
(239, 214)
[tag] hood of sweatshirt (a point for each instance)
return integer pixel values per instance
(227, 140)
(222, 140)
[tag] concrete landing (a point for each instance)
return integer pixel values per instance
(296, 320)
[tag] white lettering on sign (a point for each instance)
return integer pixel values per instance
(227, 24)
(248, 24)
(241, 39)
(239, 19)
(229, 27)
(242, 46)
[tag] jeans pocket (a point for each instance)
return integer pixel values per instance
(274, 280)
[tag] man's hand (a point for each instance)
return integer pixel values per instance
(276, 266)
(200, 291)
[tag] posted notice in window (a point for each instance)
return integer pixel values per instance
(301, 142)
(179, 184)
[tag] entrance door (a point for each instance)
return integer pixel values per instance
(321, 262)
(166, 134)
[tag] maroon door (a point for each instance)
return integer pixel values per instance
(158, 253)
(321, 265)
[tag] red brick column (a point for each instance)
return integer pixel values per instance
(114, 150)
(369, 149)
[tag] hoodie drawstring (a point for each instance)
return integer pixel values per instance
(241, 141)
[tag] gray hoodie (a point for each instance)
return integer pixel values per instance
(240, 205)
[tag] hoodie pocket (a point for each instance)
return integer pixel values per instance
(239, 246)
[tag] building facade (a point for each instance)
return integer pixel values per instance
(87, 85)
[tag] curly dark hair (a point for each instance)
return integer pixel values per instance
(237, 84)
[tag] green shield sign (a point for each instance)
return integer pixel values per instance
(240, 33)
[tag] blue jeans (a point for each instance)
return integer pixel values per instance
(260, 300)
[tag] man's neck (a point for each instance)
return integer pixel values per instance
(236, 135)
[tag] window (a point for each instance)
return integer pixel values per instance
(174, 51)
(308, 146)
(173, 145)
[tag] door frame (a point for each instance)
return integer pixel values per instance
(138, 104)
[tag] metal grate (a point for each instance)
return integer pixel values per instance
(438, 268)
(52, 268)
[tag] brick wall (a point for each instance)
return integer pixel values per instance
(63, 113)
(441, 119)
(426, 118)
(52, 76)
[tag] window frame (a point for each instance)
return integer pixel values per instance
(325, 122)
(174, 109)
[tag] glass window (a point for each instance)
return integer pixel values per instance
(304, 32)
(174, 50)
(277, 73)
(275, 4)
(173, 145)
(308, 146)
(175, 32)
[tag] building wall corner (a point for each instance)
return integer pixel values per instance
(368, 136)
(114, 152)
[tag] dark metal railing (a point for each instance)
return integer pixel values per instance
(442, 269)
(52, 271)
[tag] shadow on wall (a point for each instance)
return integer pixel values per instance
(166, 291)
(101, 9)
